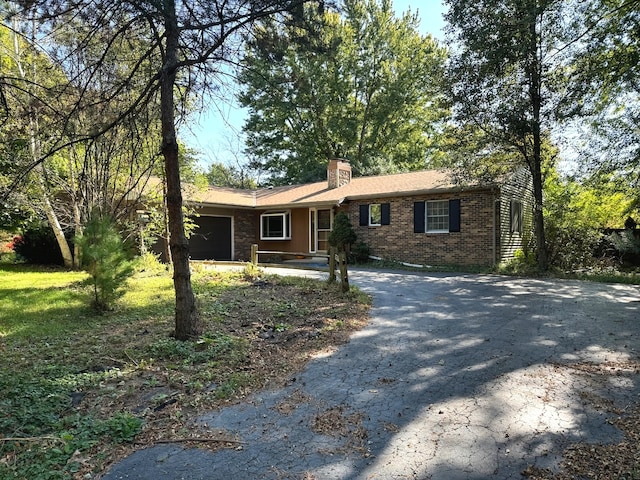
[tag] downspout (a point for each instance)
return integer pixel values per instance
(494, 241)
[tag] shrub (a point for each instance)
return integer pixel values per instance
(38, 245)
(359, 253)
(149, 264)
(105, 258)
(522, 263)
(343, 233)
(571, 247)
(626, 245)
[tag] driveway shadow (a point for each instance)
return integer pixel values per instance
(455, 377)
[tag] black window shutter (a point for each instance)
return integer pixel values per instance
(418, 217)
(385, 211)
(364, 215)
(454, 215)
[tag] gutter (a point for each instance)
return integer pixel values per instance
(494, 239)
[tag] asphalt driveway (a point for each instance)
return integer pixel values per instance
(455, 377)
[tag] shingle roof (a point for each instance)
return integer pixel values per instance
(426, 181)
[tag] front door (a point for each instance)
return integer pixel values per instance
(320, 229)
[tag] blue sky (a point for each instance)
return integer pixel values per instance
(216, 133)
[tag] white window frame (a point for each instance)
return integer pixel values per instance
(286, 223)
(431, 203)
(371, 222)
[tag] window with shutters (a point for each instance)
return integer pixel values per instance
(375, 214)
(437, 216)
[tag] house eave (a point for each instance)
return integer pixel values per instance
(428, 191)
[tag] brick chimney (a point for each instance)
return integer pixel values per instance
(338, 173)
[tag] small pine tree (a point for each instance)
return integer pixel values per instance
(104, 257)
(343, 233)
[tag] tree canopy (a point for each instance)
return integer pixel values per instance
(359, 84)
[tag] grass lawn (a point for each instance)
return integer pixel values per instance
(81, 390)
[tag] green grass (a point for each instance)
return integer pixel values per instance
(134, 380)
(54, 295)
(53, 344)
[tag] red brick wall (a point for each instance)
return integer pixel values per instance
(473, 245)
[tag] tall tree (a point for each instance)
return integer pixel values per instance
(185, 43)
(504, 80)
(363, 85)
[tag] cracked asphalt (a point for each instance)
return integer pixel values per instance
(455, 377)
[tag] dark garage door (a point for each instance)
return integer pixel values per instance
(211, 240)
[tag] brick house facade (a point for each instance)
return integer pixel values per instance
(422, 218)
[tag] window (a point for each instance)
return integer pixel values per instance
(275, 226)
(438, 216)
(437, 219)
(375, 214)
(516, 216)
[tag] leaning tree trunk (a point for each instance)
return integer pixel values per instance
(187, 323)
(52, 218)
(34, 150)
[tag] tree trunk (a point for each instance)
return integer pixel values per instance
(535, 93)
(187, 322)
(542, 256)
(52, 218)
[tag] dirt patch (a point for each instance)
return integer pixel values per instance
(266, 329)
(335, 422)
(289, 404)
(619, 460)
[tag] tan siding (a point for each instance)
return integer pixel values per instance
(299, 234)
(517, 187)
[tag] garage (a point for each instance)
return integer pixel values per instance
(211, 239)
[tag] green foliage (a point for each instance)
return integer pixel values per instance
(38, 405)
(149, 264)
(232, 385)
(576, 213)
(208, 348)
(105, 259)
(251, 271)
(626, 245)
(359, 253)
(221, 175)
(571, 247)
(38, 245)
(342, 235)
(608, 99)
(522, 263)
(362, 85)
(504, 82)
